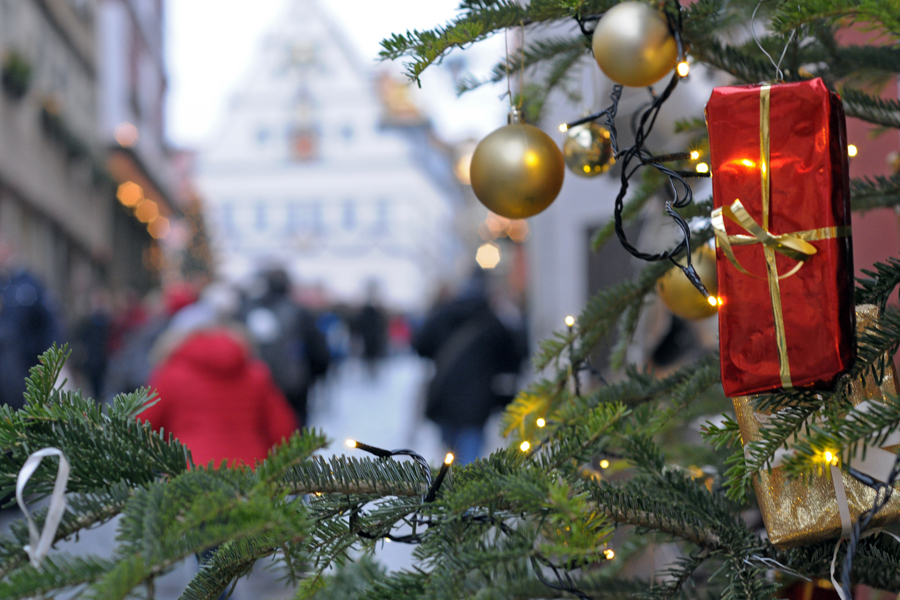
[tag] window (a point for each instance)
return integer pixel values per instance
(226, 218)
(318, 218)
(382, 216)
(261, 216)
(348, 215)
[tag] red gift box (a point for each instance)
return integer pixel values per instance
(782, 223)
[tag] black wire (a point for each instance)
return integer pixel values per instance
(865, 518)
(636, 156)
(431, 489)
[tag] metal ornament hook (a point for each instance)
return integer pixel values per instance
(779, 74)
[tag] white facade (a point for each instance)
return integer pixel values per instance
(303, 173)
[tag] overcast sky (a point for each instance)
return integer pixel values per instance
(210, 44)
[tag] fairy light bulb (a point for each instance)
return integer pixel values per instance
(604, 464)
(609, 554)
(570, 321)
(524, 446)
(695, 154)
(448, 459)
(540, 422)
(702, 168)
(851, 150)
(563, 127)
(351, 443)
(683, 68)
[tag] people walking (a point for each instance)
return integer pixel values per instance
(475, 355)
(29, 325)
(288, 340)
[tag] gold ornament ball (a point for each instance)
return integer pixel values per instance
(633, 45)
(517, 171)
(588, 149)
(681, 297)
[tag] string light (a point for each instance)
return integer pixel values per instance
(683, 68)
(830, 457)
(488, 256)
(713, 301)
(351, 443)
(702, 167)
(609, 554)
(604, 464)
(570, 321)
(695, 154)
(851, 150)
(434, 487)
(524, 446)
(563, 127)
(540, 422)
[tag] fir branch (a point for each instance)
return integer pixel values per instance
(874, 109)
(290, 453)
(628, 325)
(537, 52)
(474, 24)
(867, 193)
(877, 14)
(675, 577)
(783, 425)
(58, 572)
(604, 309)
(641, 387)
(880, 284)
(871, 64)
(631, 508)
(356, 476)
(747, 65)
(725, 434)
(230, 562)
(849, 437)
(83, 511)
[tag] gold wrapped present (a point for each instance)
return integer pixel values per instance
(799, 511)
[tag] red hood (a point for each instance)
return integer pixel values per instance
(213, 350)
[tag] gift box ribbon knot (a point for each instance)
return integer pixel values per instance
(794, 245)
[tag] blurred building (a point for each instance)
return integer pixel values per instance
(80, 113)
(132, 88)
(323, 168)
(55, 199)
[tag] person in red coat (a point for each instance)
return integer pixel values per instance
(218, 400)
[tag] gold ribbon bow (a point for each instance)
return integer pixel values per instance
(794, 245)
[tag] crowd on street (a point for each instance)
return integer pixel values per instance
(233, 366)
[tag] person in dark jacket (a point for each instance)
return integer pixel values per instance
(472, 352)
(371, 325)
(91, 352)
(28, 325)
(288, 341)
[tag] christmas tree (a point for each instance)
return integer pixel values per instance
(538, 519)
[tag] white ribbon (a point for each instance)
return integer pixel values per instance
(39, 543)
(834, 581)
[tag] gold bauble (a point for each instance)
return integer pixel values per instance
(681, 297)
(517, 171)
(588, 149)
(633, 45)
